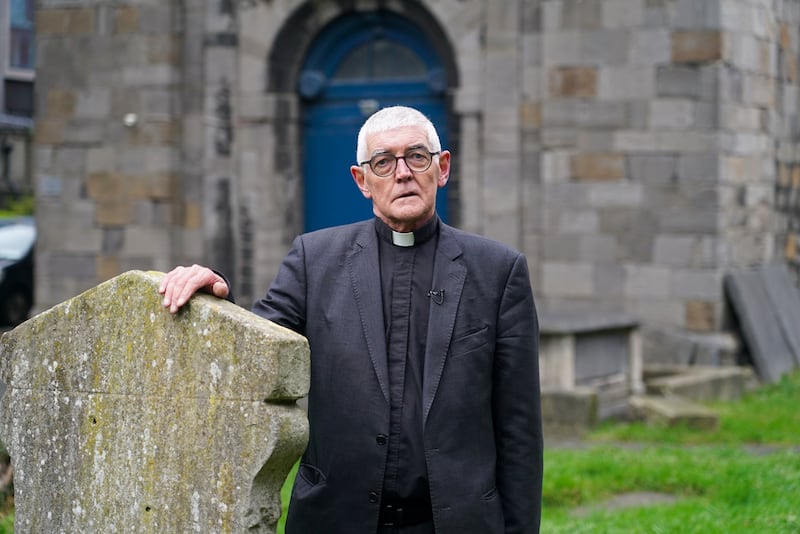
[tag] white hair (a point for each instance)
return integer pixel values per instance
(391, 118)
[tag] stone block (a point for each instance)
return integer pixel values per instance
(567, 279)
(674, 411)
(700, 315)
(158, 422)
(704, 383)
(126, 19)
(581, 15)
(605, 47)
(622, 13)
(573, 82)
(73, 21)
(678, 81)
(106, 186)
(647, 281)
(672, 114)
(650, 47)
(113, 212)
(60, 104)
(569, 411)
(626, 83)
(697, 46)
(656, 169)
(598, 166)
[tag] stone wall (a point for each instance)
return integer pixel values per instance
(120, 417)
(109, 137)
(631, 148)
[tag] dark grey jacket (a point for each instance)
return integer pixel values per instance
(481, 407)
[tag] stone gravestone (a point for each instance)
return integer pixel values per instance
(120, 417)
(766, 301)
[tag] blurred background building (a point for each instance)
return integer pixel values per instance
(635, 150)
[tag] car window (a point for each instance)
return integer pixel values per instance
(16, 240)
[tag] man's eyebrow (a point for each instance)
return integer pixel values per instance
(380, 151)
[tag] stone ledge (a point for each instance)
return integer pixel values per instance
(673, 411)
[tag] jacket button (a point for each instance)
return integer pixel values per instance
(373, 497)
(381, 439)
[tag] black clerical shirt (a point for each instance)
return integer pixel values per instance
(406, 277)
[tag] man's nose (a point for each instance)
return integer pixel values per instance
(402, 171)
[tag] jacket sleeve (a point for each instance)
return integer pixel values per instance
(285, 301)
(516, 405)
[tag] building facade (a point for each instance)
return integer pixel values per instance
(634, 150)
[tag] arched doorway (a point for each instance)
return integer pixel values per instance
(358, 64)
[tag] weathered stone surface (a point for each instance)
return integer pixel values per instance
(120, 417)
(673, 411)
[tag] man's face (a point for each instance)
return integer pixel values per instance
(405, 199)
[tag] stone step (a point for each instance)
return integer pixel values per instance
(701, 383)
(673, 410)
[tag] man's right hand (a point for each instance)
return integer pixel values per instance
(181, 283)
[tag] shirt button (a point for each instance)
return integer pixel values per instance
(381, 439)
(373, 497)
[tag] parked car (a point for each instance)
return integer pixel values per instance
(17, 240)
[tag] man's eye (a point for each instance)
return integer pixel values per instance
(381, 162)
(416, 155)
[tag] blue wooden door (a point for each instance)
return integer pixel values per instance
(357, 65)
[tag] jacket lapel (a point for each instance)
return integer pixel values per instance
(449, 273)
(365, 279)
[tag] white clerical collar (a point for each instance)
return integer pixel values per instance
(403, 239)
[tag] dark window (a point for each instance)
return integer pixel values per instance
(19, 98)
(22, 49)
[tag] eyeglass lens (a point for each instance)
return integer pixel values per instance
(417, 159)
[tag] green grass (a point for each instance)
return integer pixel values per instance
(719, 489)
(742, 477)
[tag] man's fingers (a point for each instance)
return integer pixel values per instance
(181, 283)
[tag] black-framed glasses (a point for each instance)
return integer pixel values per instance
(417, 160)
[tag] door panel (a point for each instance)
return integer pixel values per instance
(336, 107)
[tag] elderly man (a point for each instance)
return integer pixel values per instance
(424, 405)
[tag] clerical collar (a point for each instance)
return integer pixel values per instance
(407, 239)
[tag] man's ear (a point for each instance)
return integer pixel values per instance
(360, 180)
(444, 168)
